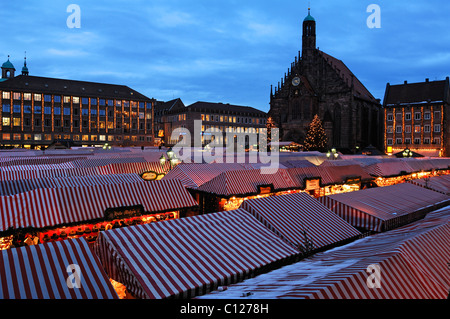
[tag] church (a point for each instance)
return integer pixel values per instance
(318, 83)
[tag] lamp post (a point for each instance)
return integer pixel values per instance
(407, 153)
(333, 154)
(173, 160)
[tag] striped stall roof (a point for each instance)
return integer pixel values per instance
(299, 217)
(57, 206)
(194, 175)
(388, 169)
(13, 187)
(191, 256)
(43, 272)
(244, 182)
(384, 208)
(439, 184)
(412, 260)
(298, 174)
(129, 168)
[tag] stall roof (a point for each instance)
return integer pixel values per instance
(41, 272)
(194, 175)
(389, 169)
(58, 206)
(191, 256)
(384, 208)
(246, 182)
(299, 217)
(439, 184)
(412, 259)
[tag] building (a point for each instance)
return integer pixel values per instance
(214, 117)
(39, 111)
(416, 118)
(318, 83)
(160, 125)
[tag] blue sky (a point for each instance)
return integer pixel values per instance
(223, 51)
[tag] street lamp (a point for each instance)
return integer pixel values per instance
(173, 160)
(407, 153)
(333, 154)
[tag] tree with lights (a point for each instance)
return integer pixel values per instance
(316, 139)
(269, 125)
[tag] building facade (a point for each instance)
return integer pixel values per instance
(317, 83)
(215, 118)
(40, 111)
(416, 118)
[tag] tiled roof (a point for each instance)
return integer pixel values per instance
(70, 87)
(417, 92)
(227, 108)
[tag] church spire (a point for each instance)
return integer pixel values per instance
(309, 34)
(25, 68)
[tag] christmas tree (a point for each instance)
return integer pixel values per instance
(316, 139)
(269, 125)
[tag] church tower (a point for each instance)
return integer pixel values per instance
(25, 68)
(309, 35)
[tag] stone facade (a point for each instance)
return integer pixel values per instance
(317, 83)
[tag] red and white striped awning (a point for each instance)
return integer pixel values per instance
(412, 262)
(48, 271)
(245, 182)
(191, 256)
(384, 208)
(57, 206)
(439, 184)
(194, 175)
(389, 168)
(290, 215)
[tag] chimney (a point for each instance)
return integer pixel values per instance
(427, 80)
(406, 82)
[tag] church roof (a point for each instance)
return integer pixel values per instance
(421, 92)
(360, 91)
(309, 18)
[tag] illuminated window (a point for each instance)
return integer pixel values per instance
(6, 121)
(27, 137)
(37, 137)
(6, 136)
(47, 137)
(16, 121)
(6, 95)
(85, 137)
(17, 136)
(66, 99)
(407, 128)
(16, 96)
(38, 97)
(417, 128)
(102, 138)
(94, 137)
(27, 96)
(76, 137)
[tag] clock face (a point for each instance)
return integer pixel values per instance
(296, 81)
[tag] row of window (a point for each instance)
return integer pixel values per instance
(232, 119)
(417, 128)
(16, 121)
(75, 99)
(417, 116)
(6, 108)
(85, 137)
(436, 140)
(231, 129)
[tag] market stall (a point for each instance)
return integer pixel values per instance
(410, 262)
(229, 189)
(384, 208)
(60, 213)
(189, 257)
(64, 270)
(439, 184)
(302, 221)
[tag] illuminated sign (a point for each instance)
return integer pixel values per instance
(312, 184)
(161, 133)
(149, 176)
(265, 189)
(112, 213)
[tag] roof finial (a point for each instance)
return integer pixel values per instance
(25, 59)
